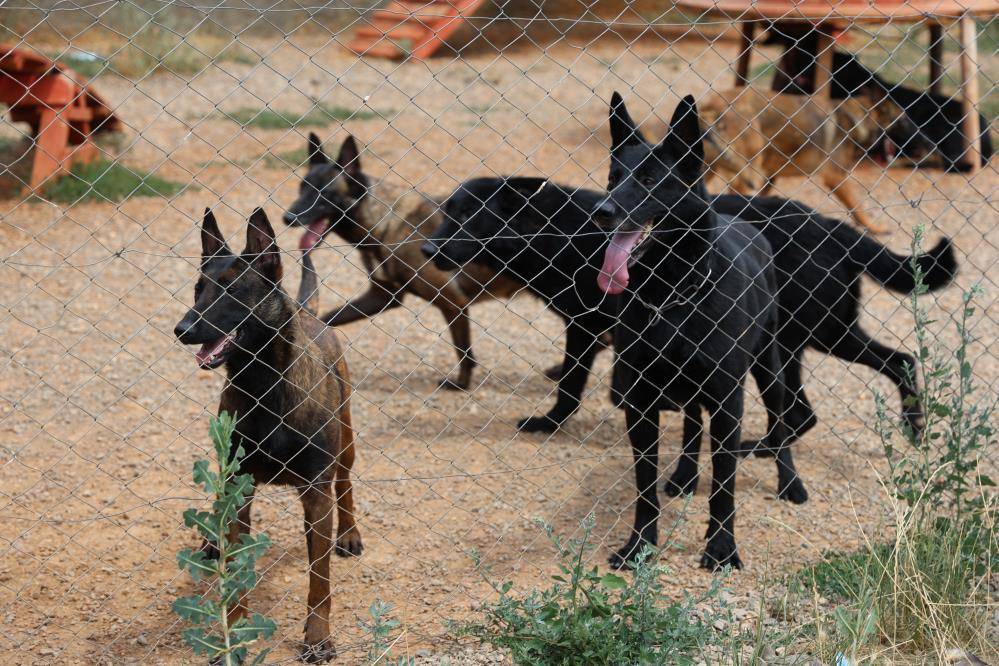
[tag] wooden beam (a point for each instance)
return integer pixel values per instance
(936, 57)
(823, 62)
(969, 90)
(745, 53)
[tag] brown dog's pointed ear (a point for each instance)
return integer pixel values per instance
(212, 240)
(349, 158)
(685, 141)
(316, 154)
(261, 251)
(624, 131)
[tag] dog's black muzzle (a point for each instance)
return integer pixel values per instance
(436, 253)
(606, 214)
(192, 330)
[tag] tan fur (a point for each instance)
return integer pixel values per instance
(756, 136)
(392, 225)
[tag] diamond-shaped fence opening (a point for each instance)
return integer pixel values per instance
(558, 249)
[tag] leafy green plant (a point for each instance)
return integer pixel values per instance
(214, 634)
(107, 181)
(588, 617)
(925, 590)
(381, 632)
(318, 116)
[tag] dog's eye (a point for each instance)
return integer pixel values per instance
(650, 181)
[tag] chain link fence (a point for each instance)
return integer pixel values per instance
(124, 121)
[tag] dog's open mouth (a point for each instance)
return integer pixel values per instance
(886, 154)
(213, 354)
(313, 235)
(625, 248)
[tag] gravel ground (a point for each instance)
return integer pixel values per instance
(102, 413)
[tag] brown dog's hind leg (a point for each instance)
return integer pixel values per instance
(348, 536)
(839, 184)
(318, 505)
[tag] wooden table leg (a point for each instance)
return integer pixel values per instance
(969, 90)
(823, 63)
(936, 57)
(746, 52)
(50, 148)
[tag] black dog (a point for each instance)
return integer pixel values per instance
(289, 389)
(540, 234)
(938, 118)
(700, 311)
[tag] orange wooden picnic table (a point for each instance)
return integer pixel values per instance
(832, 16)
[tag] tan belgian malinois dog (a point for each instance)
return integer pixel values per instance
(754, 136)
(388, 225)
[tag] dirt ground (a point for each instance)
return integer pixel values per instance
(102, 412)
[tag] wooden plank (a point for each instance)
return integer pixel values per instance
(969, 87)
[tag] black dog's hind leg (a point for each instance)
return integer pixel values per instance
(726, 420)
(858, 347)
(770, 379)
(683, 481)
(375, 300)
(581, 348)
(643, 431)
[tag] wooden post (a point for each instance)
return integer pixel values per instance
(746, 46)
(936, 57)
(969, 90)
(50, 148)
(823, 62)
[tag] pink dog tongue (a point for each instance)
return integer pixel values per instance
(209, 350)
(613, 277)
(313, 234)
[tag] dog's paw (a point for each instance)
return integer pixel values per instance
(624, 557)
(538, 424)
(348, 544)
(318, 653)
(793, 491)
(680, 484)
(449, 384)
(720, 553)
(554, 373)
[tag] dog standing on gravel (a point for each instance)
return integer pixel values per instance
(288, 388)
(698, 311)
(388, 226)
(753, 137)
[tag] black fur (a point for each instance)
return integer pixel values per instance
(938, 118)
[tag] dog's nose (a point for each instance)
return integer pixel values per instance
(289, 218)
(184, 328)
(605, 211)
(430, 249)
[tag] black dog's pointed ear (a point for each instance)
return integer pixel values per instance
(685, 141)
(349, 158)
(261, 251)
(316, 154)
(624, 131)
(212, 240)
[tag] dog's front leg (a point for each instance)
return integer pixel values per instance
(581, 348)
(643, 431)
(726, 420)
(684, 478)
(840, 183)
(377, 299)
(317, 501)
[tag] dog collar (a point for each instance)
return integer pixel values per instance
(675, 300)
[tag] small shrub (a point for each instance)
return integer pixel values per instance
(380, 632)
(585, 617)
(233, 567)
(926, 590)
(319, 116)
(107, 181)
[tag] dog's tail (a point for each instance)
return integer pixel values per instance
(895, 271)
(308, 288)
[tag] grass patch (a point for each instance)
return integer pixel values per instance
(926, 591)
(107, 181)
(319, 116)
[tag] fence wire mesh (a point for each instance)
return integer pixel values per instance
(357, 128)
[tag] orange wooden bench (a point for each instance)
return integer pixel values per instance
(64, 113)
(410, 28)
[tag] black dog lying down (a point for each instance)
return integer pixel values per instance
(938, 118)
